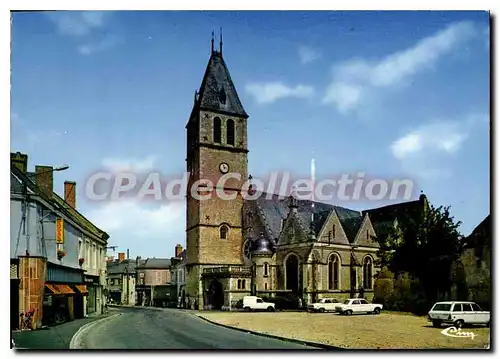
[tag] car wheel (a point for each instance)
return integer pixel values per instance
(459, 323)
(436, 323)
(246, 309)
(348, 312)
(270, 309)
(376, 311)
(321, 310)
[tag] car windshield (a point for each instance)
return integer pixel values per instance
(346, 302)
(442, 307)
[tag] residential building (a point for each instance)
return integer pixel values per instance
(476, 264)
(121, 280)
(50, 244)
(180, 276)
(271, 245)
(155, 283)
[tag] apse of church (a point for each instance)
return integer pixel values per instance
(270, 246)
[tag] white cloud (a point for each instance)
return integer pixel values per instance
(270, 92)
(144, 229)
(424, 149)
(435, 137)
(92, 47)
(307, 55)
(129, 164)
(355, 79)
(77, 23)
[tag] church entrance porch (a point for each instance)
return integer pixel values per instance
(215, 295)
(219, 286)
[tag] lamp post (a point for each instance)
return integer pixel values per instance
(25, 202)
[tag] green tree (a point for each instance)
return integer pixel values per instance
(425, 245)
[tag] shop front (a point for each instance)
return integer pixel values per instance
(93, 289)
(60, 297)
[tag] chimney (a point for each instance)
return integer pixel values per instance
(137, 260)
(178, 251)
(121, 257)
(19, 160)
(128, 254)
(70, 193)
(44, 179)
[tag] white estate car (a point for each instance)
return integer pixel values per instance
(458, 314)
(357, 305)
(256, 303)
(323, 305)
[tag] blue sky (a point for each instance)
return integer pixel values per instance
(391, 94)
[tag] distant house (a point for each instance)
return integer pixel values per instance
(121, 279)
(155, 285)
(476, 262)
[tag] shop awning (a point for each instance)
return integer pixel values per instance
(59, 288)
(82, 288)
(52, 288)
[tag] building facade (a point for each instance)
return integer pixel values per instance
(476, 264)
(47, 265)
(271, 245)
(121, 280)
(155, 283)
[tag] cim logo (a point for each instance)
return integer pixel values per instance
(457, 333)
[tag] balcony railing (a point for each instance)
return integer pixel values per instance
(227, 271)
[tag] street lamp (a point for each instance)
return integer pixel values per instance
(25, 200)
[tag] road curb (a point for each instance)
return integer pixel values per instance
(75, 342)
(297, 341)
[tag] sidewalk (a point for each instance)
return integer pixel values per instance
(56, 337)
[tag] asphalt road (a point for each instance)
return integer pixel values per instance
(139, 328)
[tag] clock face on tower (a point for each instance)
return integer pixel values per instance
(224, 167)
(246, 249)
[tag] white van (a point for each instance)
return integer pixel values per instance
(255, 303)
(458, 314)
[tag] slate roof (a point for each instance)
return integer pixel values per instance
(277, 208)
(351, 221)
(398, 210)
(119, 267)
(481, 235)
(217, 91)
(155, 263)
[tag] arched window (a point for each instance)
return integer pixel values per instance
(333, 272)
(230, 132)
(243, 284)
(266, 269)
(217, 130)
(367, 273)
(223, 232)
(265, 286)
(239, 283)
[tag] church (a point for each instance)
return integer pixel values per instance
(273, 245)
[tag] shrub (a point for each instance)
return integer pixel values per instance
(383, 288)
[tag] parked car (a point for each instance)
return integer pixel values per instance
(323, 305)
(253, 303)
(357, 305)
(458, 314)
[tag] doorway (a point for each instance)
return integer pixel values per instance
(215, 294)
(292, 273)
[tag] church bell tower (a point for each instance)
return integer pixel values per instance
(216, 147)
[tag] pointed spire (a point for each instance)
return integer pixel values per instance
(213, 35)
(220, 43)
